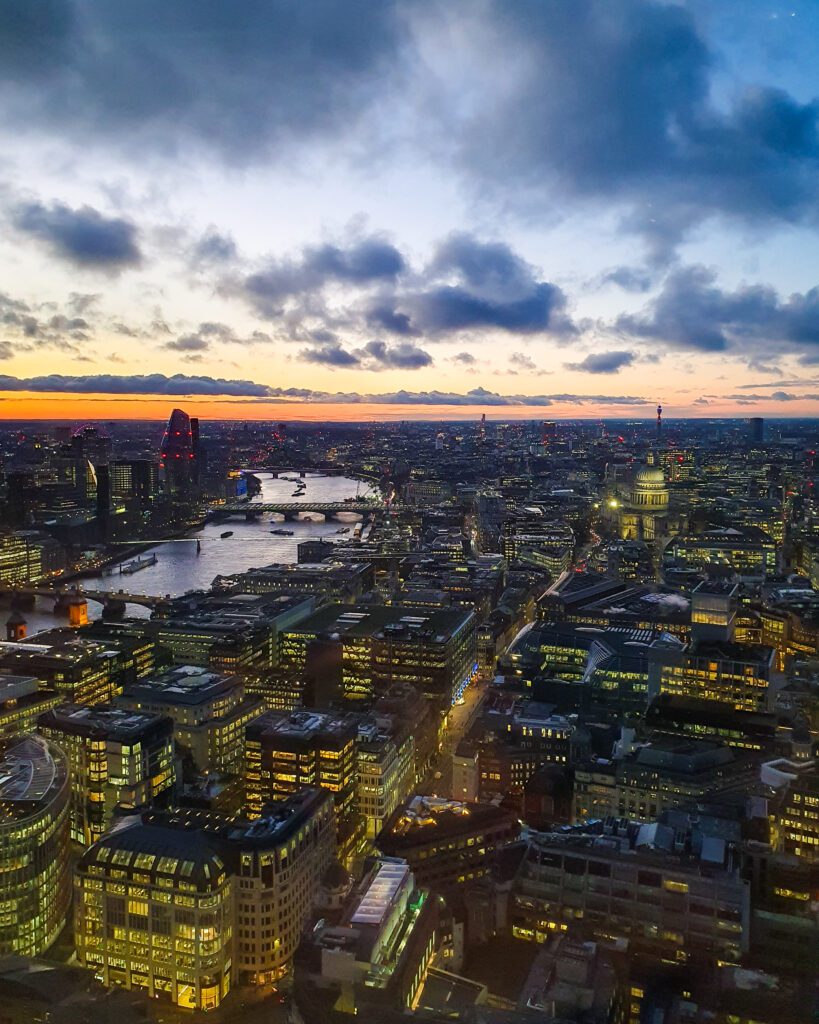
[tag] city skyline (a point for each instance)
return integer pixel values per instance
(383, 216)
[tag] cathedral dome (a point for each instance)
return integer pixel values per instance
(649, 478)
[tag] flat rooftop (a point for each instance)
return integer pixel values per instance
(55, 645)
(302, 725)
(423, 819)
(103, 721)
(185, 684)
(13, 687)
(436, 625)
(716, 587)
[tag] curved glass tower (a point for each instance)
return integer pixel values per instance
(35, 884)
(178, 453)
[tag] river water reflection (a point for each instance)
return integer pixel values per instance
(179, 568)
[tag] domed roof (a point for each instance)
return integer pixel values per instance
(650, 476)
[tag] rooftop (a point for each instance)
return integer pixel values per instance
(717, 587)
(302, 725)
(102, 721)
(400, 621)
(185, 684)
(32, 771)
(422, 819)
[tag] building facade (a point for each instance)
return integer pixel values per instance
(183, 904)
(120, 760)
(35, 881)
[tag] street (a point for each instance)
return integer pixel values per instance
(459, 721)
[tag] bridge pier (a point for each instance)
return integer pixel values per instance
(113, 609)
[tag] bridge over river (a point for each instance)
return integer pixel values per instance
(290, 509)
(62, 595)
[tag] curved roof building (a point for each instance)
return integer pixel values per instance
(35, 883)
(179, 450)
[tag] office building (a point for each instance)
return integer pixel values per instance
(433, 649)
(331, 580)
(228, 633)
(610, 667)
(756, 430)
(574, 981)
(636, 890)
(793, 807)
(711, 720)
(22, 701)
(134, 480)
(375, 957)
(714, 604)
(81, 669)
(403, 702)
(747, 550)
(534, 539)
(179, 454)
(120, 760)
(445, 842)
(183, 904)
(285, 752)
(210, 713)
(663, 775)
(718, 671)
(35, 883)
(386, 769)
(28, 556)
(513, 743)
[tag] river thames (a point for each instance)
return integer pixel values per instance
(179, 568)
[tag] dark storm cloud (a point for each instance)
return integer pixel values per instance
(603, 362)
(384, 317)
(183, 384)
(159, 74)
(403, 356)
(474, 285)
(447, 309)
(360, 263)
(693, 312)
(375, 355)
(330, 355)
(187, 343)
(84, 236)
(469, 285)
(614, 102)
(138, 384)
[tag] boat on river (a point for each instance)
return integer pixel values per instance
(138, 563)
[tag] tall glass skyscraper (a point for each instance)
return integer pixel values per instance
(178, 454)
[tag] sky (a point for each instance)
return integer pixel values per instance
(409, 209)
